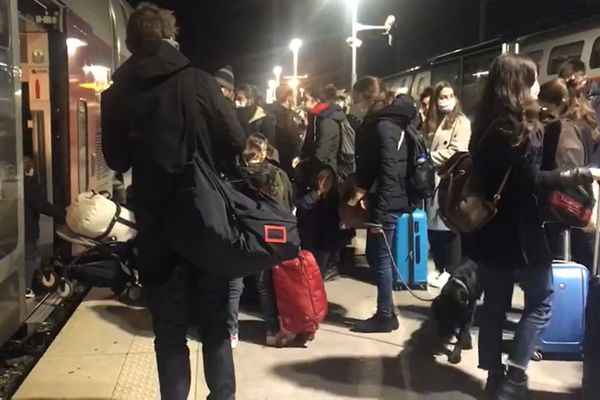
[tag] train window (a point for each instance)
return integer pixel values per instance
(561, 54)
(475, 72)
(536, 56)
(4, 24)
(82, 145)
(448, 71)
(421, 85)
(595, 56)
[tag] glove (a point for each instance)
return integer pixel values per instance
(575, 177)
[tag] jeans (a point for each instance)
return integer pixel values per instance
(498, 285)
(236, 288)
(446, 249)
(323, 258)
(378, 257)
(268, 302)
(32, 263)
(187, 294)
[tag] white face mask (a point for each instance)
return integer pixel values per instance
(535, 89)
(447, 105)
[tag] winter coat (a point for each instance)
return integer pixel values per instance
(36, 204)
(255, 119)
(151, 123)
(443, 144)
(271, 180)
(514, 238)
(318, 221)
(382, 159)
(288, 136)
(322, 140)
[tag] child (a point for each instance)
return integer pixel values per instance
(273, 181)
(319, 222)
(35, 204)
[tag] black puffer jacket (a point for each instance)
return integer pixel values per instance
(148, 118)
(288, 137)
(382, 158)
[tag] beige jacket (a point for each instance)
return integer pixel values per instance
(442, 145)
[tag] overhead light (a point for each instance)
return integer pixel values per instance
(73, 44)
(295, 44)
(277, 70)
(293, 83)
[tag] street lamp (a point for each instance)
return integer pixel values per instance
(357, 27)
(295, 45)
(277, 70)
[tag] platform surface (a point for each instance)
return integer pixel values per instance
(105, 352)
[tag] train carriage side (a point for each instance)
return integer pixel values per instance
(66, 51)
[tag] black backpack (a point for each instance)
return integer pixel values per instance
(347, 151)
(421, 170)
(228, 231)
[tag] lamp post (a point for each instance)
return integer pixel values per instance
(357, 27)
(295, 45)
(277, 70)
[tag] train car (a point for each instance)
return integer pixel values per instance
(56, 57)
(467, 69)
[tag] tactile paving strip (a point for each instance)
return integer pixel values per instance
(139, 378)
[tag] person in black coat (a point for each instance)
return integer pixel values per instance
(382, 161)
(158, 111)
(253, 117)
(322, 142)
(508, 141)
(35, 204)
(288, 133)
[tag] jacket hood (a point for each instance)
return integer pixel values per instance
(328, 110)
(158, 60)
(402, 109)
(258, 114)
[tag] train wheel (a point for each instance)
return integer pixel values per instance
(65, 289)
(49, 279)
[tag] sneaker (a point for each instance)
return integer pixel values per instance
(234, 339)
(377, 324)
(29, 294)
(279, 339)
(511, 390)
(331, 275)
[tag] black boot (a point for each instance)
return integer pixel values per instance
(493, 382)
(377, 324)
(514, 386)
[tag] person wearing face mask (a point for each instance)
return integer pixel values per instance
(253, 117)
(226, 80)
(288, 131)
(425, 101)
(448, 131)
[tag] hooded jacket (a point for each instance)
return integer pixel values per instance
(151, 123)
(382, 158)
(323, 134)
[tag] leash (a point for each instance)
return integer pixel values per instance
(415, 295)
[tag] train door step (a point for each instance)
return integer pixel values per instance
(41, 313)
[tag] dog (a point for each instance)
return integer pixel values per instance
(454, 309)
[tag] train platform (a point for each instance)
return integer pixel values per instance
(105, 351)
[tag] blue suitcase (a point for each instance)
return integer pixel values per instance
(564, 335)
(411, 251)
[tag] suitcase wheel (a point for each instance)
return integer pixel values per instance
(65, 289)
(49, 279)
(537, 356)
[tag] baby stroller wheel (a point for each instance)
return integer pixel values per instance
(49, 279)
(134, 293)
(65, 289)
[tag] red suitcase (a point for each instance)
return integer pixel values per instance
(300, 294)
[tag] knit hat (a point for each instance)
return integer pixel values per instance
(225, 77)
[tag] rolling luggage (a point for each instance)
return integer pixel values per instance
(300, 295)
(565, 332)
(410, 249)
(591, 345)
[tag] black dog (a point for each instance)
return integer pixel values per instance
(454, 309)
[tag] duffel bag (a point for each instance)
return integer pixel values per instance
(96, 217)
(227, 231)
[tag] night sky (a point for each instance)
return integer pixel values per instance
(253, 35)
